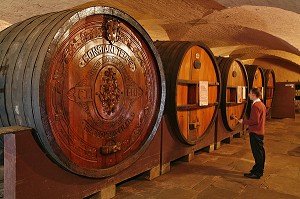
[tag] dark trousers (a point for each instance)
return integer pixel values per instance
(258, 151)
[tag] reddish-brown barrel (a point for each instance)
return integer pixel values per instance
(269, 91)
(193, 88)
(256, 80)
(89, 82)
(234, 91)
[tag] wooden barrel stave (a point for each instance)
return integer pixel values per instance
(234, 75)
(35, 60)
(7, 31)
(35, 82)
(21, 44)
(190, 121)
(4, 48)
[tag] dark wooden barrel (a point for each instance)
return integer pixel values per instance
(269, 91)
(256, 80)
(91, 84)
(193, 88)
(234, 91)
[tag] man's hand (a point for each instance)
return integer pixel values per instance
(241, 121)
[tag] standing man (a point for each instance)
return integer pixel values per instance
(256, 125)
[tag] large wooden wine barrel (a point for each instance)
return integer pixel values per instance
(234, 91)
(256, 80)
(269, 91)
(193, 88)
(91, 84)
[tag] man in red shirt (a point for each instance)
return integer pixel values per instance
(256, 124)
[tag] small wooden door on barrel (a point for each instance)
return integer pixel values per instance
(91, 84)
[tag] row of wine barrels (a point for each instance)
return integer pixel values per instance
(193, 88)
(234, 91)
(256, 79)
(269, 89)
(89, 82)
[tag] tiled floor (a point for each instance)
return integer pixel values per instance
(220, 174)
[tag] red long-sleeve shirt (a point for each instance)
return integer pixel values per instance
(257, 118)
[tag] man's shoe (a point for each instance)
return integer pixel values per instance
(251, 175)
(256, 172)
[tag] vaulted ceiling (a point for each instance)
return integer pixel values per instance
(245, 29)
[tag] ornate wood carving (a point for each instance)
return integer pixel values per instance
(101, 94)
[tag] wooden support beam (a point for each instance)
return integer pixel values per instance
(14, 129)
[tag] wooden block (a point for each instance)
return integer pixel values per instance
(189, 157)
(209, 148)
(244, 134)
(237, 135)
(228, 140)
(153, 173)
(105, 193)
(14, 129)
(217, 145)
(165, 168)
(10, 160)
